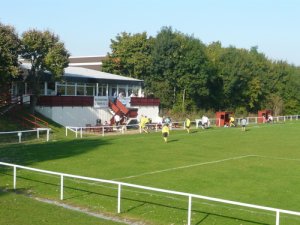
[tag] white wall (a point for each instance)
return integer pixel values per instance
(80, 116)
(149, 111)
(75, 116)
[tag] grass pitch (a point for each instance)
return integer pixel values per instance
(260, 166)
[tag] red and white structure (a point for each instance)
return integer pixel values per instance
(88, 96)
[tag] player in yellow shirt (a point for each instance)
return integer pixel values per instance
(187, 124)
(165, 132)
(231, 121)
(143, 122)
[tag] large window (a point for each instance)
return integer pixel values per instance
(73, 89)
(122, 91)
(102, 90)
(90, 90)
(133, 90)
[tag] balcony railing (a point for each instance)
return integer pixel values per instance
(135, 101)
(65, 101)
(89, 101)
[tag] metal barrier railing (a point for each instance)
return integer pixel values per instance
(120, 184)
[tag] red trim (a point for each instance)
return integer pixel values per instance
(135, 101)
(65, 101)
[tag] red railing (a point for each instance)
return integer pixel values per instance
(114, 107)
(135, 101)
(121, 107)
(65, 101)
(38, 121)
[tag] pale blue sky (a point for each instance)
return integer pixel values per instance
(86, 27)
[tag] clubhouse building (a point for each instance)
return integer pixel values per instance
(88, 96)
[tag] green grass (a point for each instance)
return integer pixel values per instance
(18, 209)
(260, 166)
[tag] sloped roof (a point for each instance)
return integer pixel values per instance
(84, 73)
(80, 72)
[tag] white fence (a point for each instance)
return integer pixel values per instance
(255, 120)
(105, 129)
(121, 184)
(20, 133)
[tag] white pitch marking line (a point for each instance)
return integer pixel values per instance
(277, 158)
(183, 167)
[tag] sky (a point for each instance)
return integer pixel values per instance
(88, 26)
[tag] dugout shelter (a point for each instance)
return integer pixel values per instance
(222, 118)
(263, 115)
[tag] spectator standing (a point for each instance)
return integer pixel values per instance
(117, 119)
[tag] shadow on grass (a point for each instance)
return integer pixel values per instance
(139, 203)
(27, 154)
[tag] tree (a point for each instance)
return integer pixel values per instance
(9, 49)
(196, 75)
(46, 54)
(130, 55)
(187, 75)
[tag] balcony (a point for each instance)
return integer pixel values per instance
(89, 101)
(135, 101)
(65, 101)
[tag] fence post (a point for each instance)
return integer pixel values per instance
(38, 133)
(66, 131)
(190, 210)
(61, 187)
(119, 198)
(48, 134)
(102, 131)
(277, 217)
(76, 131)
(20, 136)
(80, 132)
(15, 177)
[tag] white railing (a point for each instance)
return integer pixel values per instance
(95, 129)
(174, 125)
(102, 129)
(20, 132)
(120, 184)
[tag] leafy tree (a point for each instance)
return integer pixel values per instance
(290, 91)
(181, 61)
(187, 75)
(9, 49)
(46, 53)
(165, 56)
(196, 76)
(130, 55)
